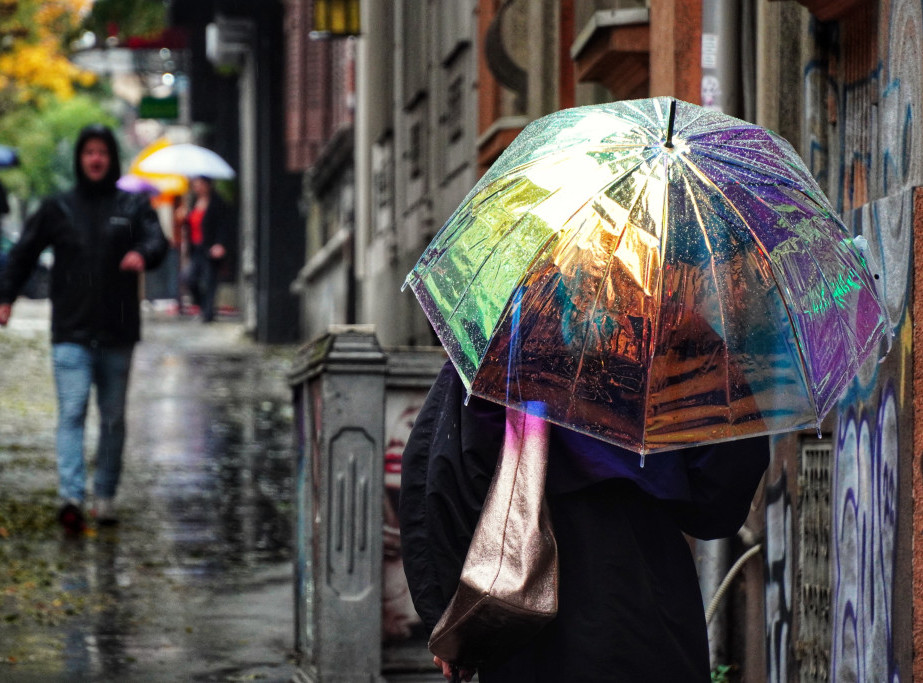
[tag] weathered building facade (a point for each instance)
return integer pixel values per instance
(415, 148)
(320, 133)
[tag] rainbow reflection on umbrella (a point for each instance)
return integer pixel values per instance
(656, 281)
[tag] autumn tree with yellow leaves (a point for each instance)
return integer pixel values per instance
(34, 38)
(44, 97)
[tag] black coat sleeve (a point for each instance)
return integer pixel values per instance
(446, 469)
(723, 479)
(36, 236)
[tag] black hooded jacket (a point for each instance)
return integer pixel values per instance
(629, 607)
(90, 229)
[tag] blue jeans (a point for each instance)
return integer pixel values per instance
(76, 368)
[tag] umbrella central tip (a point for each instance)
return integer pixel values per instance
(669, 141)
(675, 147)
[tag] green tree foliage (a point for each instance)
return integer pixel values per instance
(45, 140)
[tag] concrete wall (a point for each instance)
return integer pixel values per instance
(416, 141)
(872, 500)
(878, 101)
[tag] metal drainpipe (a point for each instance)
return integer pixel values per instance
(713, 559)
(721, 56)
(721, 92)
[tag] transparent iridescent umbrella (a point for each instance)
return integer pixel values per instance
(654, 274)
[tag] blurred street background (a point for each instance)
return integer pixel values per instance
(195, 583)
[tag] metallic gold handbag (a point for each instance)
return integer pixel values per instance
(508, 586)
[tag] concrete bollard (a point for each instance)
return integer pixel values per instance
(339, 394)
(354, 404)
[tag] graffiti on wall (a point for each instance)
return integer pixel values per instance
(865, 482)
(860, 109)
(901, 165)
(865, 499)
(778, 579)
(864, 489)
(865, 540)
(860, 140)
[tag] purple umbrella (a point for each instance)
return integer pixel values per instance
(133, 183)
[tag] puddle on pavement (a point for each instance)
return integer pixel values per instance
(228, 489)
(205, 507)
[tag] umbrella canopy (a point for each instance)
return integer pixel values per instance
(654, 274)
(187, 160)
(133, 183)
(168, 184)
(9, 157)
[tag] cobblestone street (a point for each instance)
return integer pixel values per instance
(195, 583)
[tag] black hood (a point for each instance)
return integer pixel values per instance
(107, 184)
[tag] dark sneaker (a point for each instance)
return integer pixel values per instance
(70, 516)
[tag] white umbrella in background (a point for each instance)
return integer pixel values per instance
(169, 185)
(188, 160)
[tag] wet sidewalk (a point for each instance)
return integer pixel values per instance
(195, 583)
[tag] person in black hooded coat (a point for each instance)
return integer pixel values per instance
(629, 603)
(103, 238)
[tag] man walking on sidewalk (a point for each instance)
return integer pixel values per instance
(102, 239)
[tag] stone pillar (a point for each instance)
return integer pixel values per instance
(676, 49)
(338, 384)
